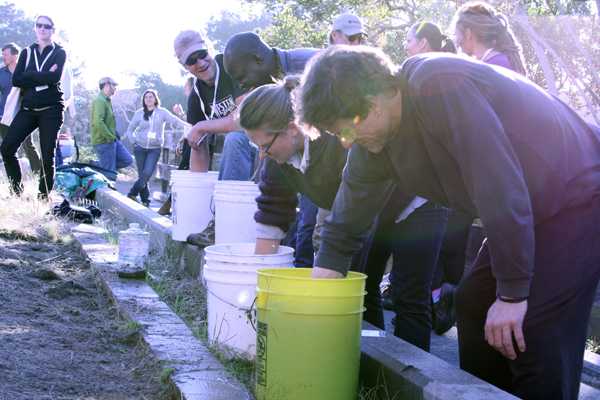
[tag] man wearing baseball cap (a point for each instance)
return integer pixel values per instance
(347, 29)
(111, 153)
(214, 97)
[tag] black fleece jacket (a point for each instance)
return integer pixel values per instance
(280, 184)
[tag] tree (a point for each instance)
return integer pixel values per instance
(559, 37)
(221, 27)
(169, 94)
(15, 26)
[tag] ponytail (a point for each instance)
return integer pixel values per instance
(269, 107)
(432, 33)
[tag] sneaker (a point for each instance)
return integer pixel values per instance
(146, 203)
(443, 313)
(132, 197)
(204, 238)
(165, 209)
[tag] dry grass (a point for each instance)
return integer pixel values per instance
(26, 215)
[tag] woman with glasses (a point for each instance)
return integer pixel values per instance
(146, 131)
(298, 164)
(37, 74)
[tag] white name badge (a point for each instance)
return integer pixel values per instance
(40, 88)
(152, 135)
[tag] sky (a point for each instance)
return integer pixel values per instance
(120, 38)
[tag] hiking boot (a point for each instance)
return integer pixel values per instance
(165, 209)
(132, 197)
(443, 313)
(204, 238)
(146, 203)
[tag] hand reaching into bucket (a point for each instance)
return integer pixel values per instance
(325, 273)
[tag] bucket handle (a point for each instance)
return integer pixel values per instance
(249, 312)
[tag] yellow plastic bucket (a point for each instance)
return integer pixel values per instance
(308, 335)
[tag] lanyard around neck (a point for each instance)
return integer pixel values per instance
(39, 67)
(214, 102)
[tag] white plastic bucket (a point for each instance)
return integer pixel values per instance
(230, 278)
(235, 205)
(191, 197)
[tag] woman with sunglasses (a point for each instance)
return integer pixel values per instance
(146, 131)
(38, 74)
(347, 29)
(297, 164)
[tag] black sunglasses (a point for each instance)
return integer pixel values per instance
(195, 56)
(45, 26)
(358, 37)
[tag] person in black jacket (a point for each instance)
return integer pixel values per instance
(410, 229)
(483, 140)
(38, 75)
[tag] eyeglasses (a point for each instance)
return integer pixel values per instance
(45, 26)
(267, 148)
(195, 56)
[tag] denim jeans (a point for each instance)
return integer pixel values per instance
(414, 244)
(306, 221)
(237, 161)
(113, 156)
(146, 160)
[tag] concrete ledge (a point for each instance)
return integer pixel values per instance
(392, 368)
(197, 375)
(122, 209)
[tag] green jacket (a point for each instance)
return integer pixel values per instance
(102, 123)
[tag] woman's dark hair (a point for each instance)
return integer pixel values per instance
(434, 36)
(340, 82)
(269, 107)
(147, 112)
(492, 29)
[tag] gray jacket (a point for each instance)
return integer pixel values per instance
(150, 133)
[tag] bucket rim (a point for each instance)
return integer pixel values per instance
(212, 250)
(270, 272)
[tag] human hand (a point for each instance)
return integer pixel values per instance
(178, 110)
(325, 273)
(179, 147)
(505, 321)
(53, 68)
(194, 135)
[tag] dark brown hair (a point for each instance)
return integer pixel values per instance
(156, 102)
(434, 36)
(340, 83)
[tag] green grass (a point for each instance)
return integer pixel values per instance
(187, 298)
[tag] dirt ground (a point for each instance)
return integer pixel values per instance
(59, 336)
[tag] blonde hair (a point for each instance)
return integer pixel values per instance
(492, 29)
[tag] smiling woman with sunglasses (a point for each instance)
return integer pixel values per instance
(37, 74)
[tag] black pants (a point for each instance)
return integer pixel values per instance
(451, 262)
(566, 273)
(28, 148)
(49, 122)
(415, 244)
